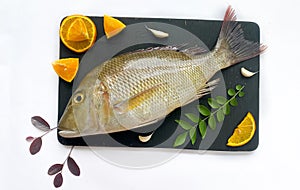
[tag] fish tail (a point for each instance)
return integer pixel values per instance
(232, 42)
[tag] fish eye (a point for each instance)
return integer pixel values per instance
(78, 98)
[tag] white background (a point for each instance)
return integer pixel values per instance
(29, 42)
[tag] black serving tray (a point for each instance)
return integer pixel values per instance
(182, 31)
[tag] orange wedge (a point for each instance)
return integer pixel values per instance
(66, 68)
(112, 26)
(244, 132)
(78, 33)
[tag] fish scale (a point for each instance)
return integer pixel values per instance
(157, 74)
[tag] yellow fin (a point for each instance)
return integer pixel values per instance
(135, 101)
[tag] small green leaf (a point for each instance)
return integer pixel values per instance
(234, 102)
(185, 125)
(226, 109)
(202, 128)
(220, 116)
(218, 107)
(213, 103)
(192, 117)
(193, 135)
(238, 87)
(212, 122)
(231, 92)
(221, 100)
(180, 139)
(204, 110)
(241, 94)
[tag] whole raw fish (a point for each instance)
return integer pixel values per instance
(139, 88)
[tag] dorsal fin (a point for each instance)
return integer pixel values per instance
(195, 50)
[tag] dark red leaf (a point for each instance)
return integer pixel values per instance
(54, 169)
(35, 146)
(40, 123)
(73, 167)
(29, 138)
(58, 180)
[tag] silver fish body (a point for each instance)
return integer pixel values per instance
(139, 88)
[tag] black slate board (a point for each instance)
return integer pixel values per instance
(165, 135)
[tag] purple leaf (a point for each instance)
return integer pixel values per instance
(35, 146)
(29, 138)
(54, 169)
(58, 180)
(40, 123)
(73, 167)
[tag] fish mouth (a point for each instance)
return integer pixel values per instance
(69, 134)
(67, 126)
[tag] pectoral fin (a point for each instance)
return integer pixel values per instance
(137, 100)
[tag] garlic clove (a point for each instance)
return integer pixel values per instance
(145, 139)
(247, 73)
(157, 33)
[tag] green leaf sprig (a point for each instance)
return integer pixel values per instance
(220, 107)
